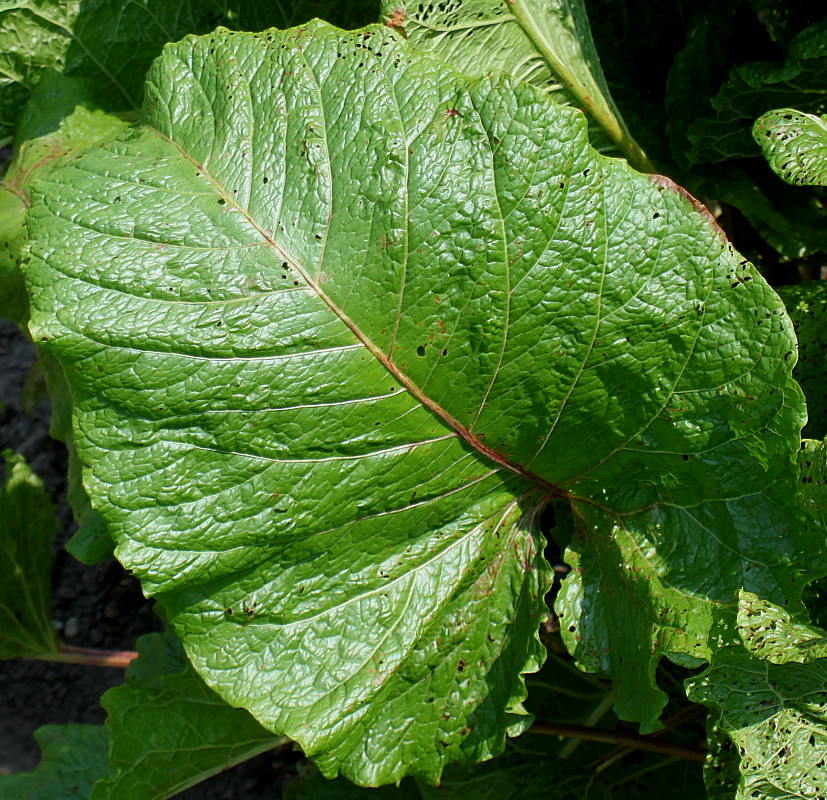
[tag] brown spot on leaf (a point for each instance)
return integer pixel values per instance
(396, 19)
(662, 182)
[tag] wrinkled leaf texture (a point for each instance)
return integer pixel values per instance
(338, 323)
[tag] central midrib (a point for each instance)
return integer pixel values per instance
(549, 489)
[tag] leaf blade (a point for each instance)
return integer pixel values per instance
(291, 253)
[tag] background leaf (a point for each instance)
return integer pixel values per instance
(757, 87)
(795, 144)
(546, 44)
(73, 756)
(168, 731)
(27, 528)
(112, 43)
(807, 306)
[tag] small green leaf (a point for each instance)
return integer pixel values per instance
(795, 144)
(548, 44)
(72, 758)
(27, 528)
(168, 731)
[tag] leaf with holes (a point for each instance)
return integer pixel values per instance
(795, 144)
(547, 44)
(339, 322)
(774, 713)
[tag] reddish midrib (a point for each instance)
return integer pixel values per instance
(549, 489)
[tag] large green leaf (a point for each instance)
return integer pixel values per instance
(333, 349)
(27, 528)
(795, 144)
(548, 44)
(168, 731)
(72, 758)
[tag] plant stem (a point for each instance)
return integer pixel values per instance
(687, 752)
(587, 98)
(91, 656)
(609, 759)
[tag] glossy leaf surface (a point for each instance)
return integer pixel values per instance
(339, 322)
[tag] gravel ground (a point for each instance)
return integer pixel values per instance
(99, 606)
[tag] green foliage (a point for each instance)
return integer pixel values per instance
(168, 731)
(333, 324)
(27, 528)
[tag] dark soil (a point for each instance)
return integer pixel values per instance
(100, 606)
